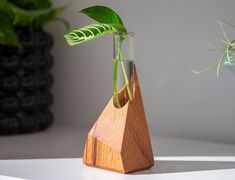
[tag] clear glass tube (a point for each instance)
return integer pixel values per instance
(123, 68)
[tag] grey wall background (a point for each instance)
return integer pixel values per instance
(171, 37)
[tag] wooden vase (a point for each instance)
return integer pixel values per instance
(119, 140)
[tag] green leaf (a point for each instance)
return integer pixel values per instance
(32, 4)
(5, 8)
(109, 22)
(35, 18)
(42, 4)
(90, 32)
(7, 33)
(102, 14)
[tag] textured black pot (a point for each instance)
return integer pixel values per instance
(25, 81)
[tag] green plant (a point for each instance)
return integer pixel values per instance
(25, 13)
(108, 22)
(228, 52)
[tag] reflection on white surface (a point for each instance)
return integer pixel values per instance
(10, 178)
(176, 166)
(197, 158)
(191, 167)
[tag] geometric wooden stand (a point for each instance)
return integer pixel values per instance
(119, 140)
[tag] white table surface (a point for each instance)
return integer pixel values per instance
(166, 168)
(175, 158)
(67, 141)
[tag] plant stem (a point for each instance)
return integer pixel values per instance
(115, 66)
(115, 88)
(126, 81)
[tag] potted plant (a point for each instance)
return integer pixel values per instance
(119, 140)
(108, 22)
(25, 63)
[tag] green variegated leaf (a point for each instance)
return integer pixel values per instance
(109, 22)
(91, 32)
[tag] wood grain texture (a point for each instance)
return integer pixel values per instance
(119, 140)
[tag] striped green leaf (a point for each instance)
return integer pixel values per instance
(90, 32)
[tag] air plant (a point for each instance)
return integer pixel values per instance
(228, 50)
(107, 22)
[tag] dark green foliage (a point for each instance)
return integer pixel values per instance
(32, 14)
(7, 33)
(5, 8)
(32, 4)
(35, 18)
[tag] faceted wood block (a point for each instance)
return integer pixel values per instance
(119, 140)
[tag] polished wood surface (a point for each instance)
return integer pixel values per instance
(119, 140)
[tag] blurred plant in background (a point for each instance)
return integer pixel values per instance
(25, 13)
(227, 49)
(25, 63)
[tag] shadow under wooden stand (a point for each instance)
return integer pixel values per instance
(119, 140)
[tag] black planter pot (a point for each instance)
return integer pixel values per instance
(25, 82)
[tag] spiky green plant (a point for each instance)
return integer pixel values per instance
(228, 52)
(107, 22)
(25, 13)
